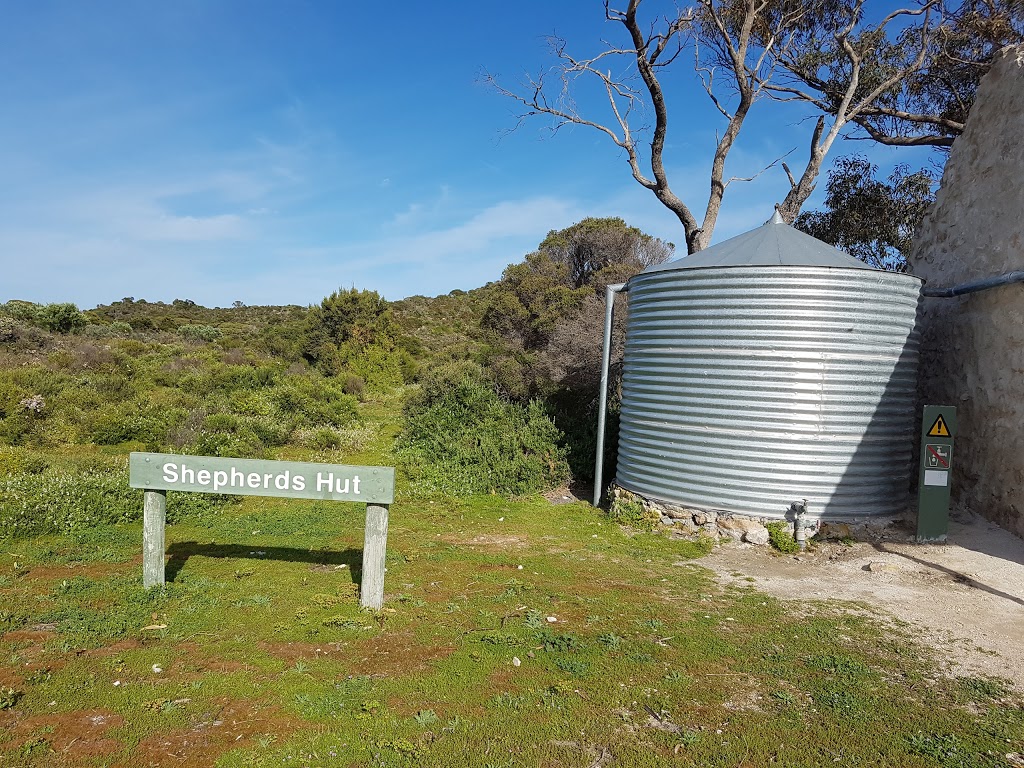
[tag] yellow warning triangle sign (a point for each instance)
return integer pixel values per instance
(939, 428)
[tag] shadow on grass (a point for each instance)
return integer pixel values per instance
(181, 551)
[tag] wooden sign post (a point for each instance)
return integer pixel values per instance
(157, 473)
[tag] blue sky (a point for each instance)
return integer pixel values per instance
(271, 153)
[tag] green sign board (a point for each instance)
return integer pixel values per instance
(935, 474)
(158, 473)
(252, 477)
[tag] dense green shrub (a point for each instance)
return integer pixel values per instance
(131, 421)
(56, 318)
(221, 422)
(315, 401)
(354, 333)
(166, 396)
(199, 332)
(460, 437)
(63, 502)
(323, 438)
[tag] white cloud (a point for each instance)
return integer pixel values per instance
(420, 213)
(218, 259)
(464, 255)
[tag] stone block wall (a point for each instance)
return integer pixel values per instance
(972, 352)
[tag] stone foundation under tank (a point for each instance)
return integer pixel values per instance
(694, 523)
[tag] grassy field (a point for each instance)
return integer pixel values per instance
(514, 633)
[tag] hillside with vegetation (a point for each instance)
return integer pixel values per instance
(516, 631)
(493, 390)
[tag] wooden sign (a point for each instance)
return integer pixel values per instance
(158, 473)
(251, 477)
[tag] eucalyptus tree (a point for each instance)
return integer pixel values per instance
(851, 71)
(870, 218)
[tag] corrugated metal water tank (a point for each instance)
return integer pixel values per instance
(768, 369)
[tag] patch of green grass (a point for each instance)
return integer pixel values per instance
(983, 688)
(261, 620)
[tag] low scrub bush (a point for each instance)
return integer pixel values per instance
(199, 332)
(64, 502)
(131, 422)
(322, 439)
(243, 446)
(14, 461)
(20, 335)
(314, 401)
(459, 436)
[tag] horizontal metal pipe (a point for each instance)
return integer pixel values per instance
(974, 286)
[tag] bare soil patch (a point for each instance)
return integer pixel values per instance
(80, 734)
(965, 596)
(292, 652)
(234, 724)
(200, 662)
(491, 541)
(396, 655)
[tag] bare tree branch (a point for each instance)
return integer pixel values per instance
(878, 78)
(927, 140)
(770, 165)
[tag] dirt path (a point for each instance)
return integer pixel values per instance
(966, 596)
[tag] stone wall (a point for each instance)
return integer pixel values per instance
(973, 346)
(721, 525)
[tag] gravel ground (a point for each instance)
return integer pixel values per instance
(966, 596)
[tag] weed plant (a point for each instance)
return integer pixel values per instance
(780, 537)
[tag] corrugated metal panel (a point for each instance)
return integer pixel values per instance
(745, 389)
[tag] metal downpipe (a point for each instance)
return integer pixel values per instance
(606, 351)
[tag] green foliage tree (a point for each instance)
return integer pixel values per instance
(870, 218)
(57, 318)
(570, 264)
(352, 315)
(545, 318)
(530, 300)
(354, 332)
(944, 49)
(601, 251)
(60, 318)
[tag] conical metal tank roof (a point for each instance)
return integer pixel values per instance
(774, 244)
